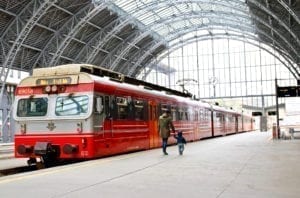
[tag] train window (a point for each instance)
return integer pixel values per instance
(99, 104)
(71, 105)
(122, 108)
(196, 118)
(180, 114)
(108, 106)
(220, 117)
(173, 113)
(183, 114)
(201, 114)
(32, 107)
(208, 113)
(139, 109)
(165, 107)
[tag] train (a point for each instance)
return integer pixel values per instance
(82, 111)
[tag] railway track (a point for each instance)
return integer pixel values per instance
(16, 170)
(38, 166)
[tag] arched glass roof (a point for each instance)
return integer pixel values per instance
(167, 17)
(264, 21)
(128, 35)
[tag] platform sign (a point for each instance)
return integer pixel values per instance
(257, 113)
(291, 91)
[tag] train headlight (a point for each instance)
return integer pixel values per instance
(23, 128)
(48, 89)
(79, 127)
(54, 88)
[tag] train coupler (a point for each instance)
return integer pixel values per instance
(48, 152)
(31, 161)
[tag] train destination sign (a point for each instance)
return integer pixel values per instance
(54, 81)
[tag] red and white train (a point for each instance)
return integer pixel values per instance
(82, 112)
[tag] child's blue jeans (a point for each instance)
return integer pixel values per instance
(180, 148)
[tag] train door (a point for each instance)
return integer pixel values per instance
(236, 123)
(153, 125)
(223, 121)
(108, 118)
(212, 121)
(98, 115)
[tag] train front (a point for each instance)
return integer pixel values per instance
(53, 117)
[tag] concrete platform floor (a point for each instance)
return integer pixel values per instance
(237, 166)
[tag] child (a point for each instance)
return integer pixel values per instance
(180, 142)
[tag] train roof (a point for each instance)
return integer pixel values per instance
(85, 73)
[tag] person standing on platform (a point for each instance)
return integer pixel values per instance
(165, 126)
(180, 142)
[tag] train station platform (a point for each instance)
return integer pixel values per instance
(236, 166)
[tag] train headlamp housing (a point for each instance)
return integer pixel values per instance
(50, 89)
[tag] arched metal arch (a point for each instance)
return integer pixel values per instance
(158, 4)
(117, 28)
(266, 10)
(58, 36)
(209, 36)
(38, 12)
(119, 50)
(97, 38)
(186, 30)
(190, 15)
(244, 30)
(241, 38)
(282, 52)
(290, 10)
(219, 37)
(170, 20)
(75, 26)
(127, 20)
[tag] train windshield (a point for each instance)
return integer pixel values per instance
(71, 105)
(32, 107)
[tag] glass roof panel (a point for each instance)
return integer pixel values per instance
(166, 16)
